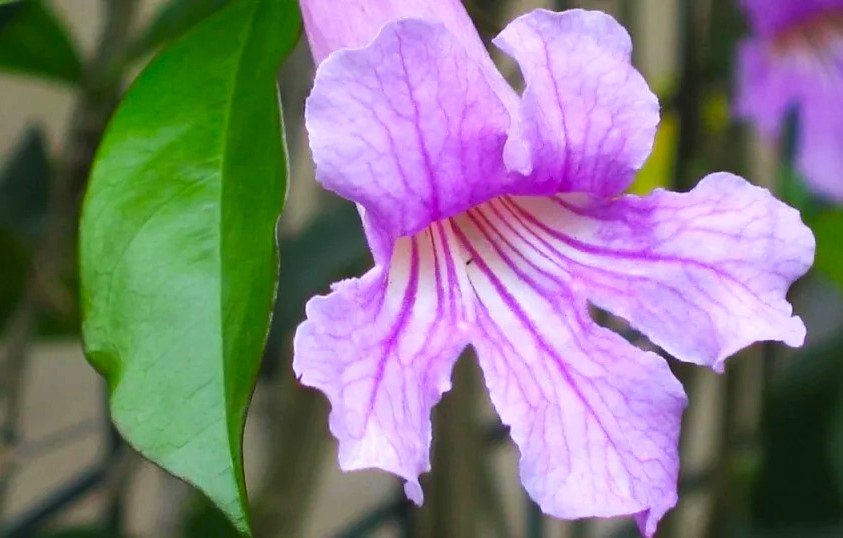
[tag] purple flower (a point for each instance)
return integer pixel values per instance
(495, 220)
(795, 62)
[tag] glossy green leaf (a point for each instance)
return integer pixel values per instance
(33, 41)
(178, 257)
(172, 19)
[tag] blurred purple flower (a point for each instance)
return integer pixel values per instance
(794, 62)
(495, 220)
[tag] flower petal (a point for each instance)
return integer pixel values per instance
(766, 88)
(596, 419)
(769, 17)
(702, 274)
(796, 64)
(588, 119)
(382, 348)
(408, 127)
(820, 149)
(332, 25)
(800, 70)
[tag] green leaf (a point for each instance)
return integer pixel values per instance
(828, 231)
(835, 445)
(24, 187)
(796, 486)
(178, 257)
(204, 520)
(13, 273)
(660, 165)
(172, 20)
(33, 41)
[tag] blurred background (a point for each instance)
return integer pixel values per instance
(762, 446)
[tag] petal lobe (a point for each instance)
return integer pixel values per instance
(596, 420)
(382, 348)
(408, 127)
(588, 119)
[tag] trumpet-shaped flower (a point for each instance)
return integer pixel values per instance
(495, 220)
(795, 62)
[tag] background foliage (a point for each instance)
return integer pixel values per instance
(762, 445)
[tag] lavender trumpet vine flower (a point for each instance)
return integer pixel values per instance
(794, 62)
(495, 220)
